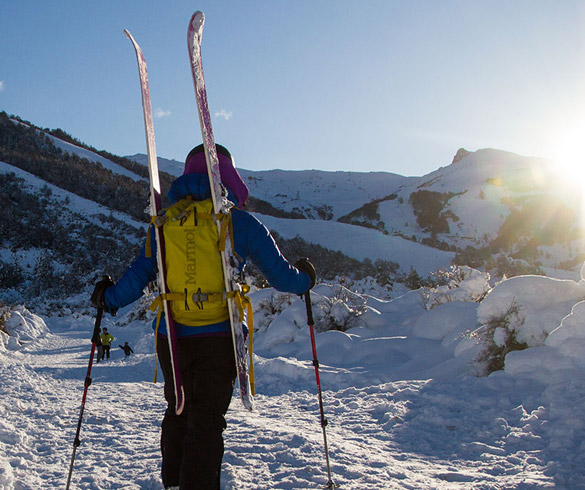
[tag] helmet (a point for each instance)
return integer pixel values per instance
(195, 164)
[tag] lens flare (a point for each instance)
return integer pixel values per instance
(569, 158)
(568, 167)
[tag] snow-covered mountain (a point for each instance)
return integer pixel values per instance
(490, 201)
(312, 194)
(490, 209)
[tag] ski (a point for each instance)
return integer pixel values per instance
(155, 209)
(220, 205)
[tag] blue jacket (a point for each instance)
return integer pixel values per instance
(251, 240)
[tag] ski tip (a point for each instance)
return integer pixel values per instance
(127, 34)
(197, 21)
(248, 403)
(180, 402)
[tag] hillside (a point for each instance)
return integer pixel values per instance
(492, 209)
(488, 209)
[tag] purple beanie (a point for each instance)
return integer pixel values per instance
(195, 164)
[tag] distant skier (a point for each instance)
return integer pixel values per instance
(126, 348)
(106, 339)
(100, 349)
(192, 443)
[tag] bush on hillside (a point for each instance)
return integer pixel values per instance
(498, 339)
(429, 209)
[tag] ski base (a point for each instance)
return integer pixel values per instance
(220, 203)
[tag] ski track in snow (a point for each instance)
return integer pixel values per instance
(471, 433)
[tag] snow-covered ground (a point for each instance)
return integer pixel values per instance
(405, 407)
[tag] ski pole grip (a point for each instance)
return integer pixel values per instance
(310, 320)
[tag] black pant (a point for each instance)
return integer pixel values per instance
(192, 443)
(102, 351)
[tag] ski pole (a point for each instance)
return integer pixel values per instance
(94, 340)
(311, 322)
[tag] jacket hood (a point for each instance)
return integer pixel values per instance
(195, 164)
(195, 185)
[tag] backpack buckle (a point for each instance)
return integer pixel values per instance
(199, 298)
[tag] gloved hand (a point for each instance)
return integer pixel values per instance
(98, 296)
(305, 266)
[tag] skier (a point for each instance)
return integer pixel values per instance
(100, 349)
(106, 339)
(192, 442)
(126, 348)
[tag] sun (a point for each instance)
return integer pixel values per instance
(567, 169)
(568, 159)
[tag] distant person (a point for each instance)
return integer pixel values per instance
(100, 349)
(106, 339)
(192, 442)
(126, 348)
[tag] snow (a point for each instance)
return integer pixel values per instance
(76, 204)
(405, 407)
(542, 303)
(81, 152)
(364, 243)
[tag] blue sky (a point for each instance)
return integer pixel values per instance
(364, 85)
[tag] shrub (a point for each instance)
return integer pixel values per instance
(498, 340)
(428, 207)
(460, 283)
(342, 310)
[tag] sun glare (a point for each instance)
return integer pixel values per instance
(568, 168)
(569, 158)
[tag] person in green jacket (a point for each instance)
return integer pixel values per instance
(106, 339)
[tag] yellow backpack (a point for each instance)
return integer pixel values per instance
(193, 262)
(194, 275)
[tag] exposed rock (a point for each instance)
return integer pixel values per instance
(460, 155)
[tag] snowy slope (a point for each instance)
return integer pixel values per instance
(481, 189)
(485, 185)
(81, 152)
(93, 157)
(172, 167)
(317, 194)
(363, 243)
(85, 207)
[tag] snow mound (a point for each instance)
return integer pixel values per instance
(464, 284)
(534, 305)
(21, 326)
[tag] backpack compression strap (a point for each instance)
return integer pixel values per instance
(243, 303)
(226, 229)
